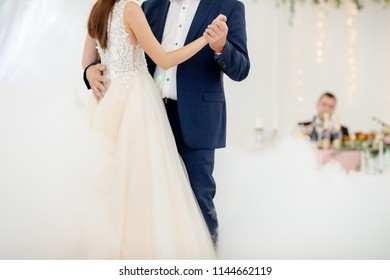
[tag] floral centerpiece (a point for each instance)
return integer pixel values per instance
(370, 141)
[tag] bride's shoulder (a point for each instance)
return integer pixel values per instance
(133, 11)
(134, 2)
(132, 7)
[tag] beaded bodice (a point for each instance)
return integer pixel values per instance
(122, 57)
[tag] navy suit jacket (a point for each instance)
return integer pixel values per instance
(200, 90)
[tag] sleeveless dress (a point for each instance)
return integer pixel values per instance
(105, 184)
(157, 213)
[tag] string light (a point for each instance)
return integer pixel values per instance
(321, 33)
(299, 73)
(352, 36)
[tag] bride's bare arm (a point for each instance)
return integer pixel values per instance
(136, 22)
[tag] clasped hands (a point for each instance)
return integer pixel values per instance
(215, 35)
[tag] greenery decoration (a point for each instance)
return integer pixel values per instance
(338, 3)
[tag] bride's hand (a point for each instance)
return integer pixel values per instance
(220, 17)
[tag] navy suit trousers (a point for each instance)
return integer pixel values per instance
(200, 166)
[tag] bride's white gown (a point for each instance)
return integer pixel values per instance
(159, 214)
(138, 204)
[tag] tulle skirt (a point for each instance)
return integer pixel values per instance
(158, 216)
(119, 192)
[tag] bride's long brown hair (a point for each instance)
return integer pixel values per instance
(98, 21)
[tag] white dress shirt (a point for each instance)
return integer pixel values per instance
(179, 19)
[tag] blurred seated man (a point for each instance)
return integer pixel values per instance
(322, 124)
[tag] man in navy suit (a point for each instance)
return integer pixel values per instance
(193, 91)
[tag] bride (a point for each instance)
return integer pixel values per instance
(158, 216)
(118, 190)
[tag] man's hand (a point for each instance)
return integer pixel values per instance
(216, 33)
(97, 81)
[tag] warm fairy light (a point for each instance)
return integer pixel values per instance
(321, 34)
(352, 36)
(299, 79)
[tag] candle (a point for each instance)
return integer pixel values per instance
(381, 158)
(259, 124)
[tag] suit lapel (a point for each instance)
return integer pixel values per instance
(199, 18)
(158, 28)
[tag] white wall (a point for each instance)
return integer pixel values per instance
(44, 39)
(279, 50)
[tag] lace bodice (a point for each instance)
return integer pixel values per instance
(122, 57)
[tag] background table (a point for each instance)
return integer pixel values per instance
(350, 160)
